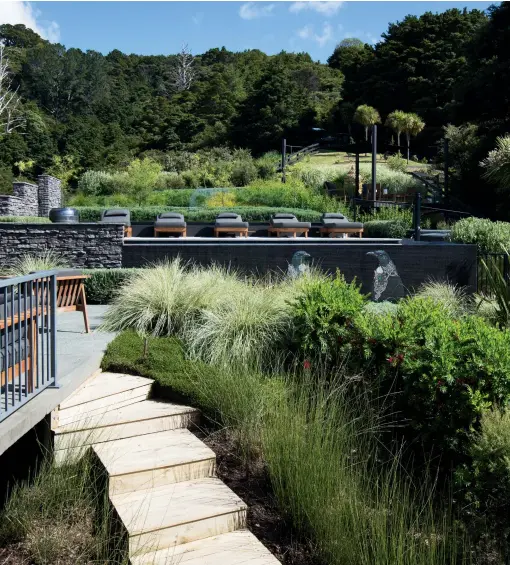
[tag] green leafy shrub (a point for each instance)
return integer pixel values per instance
(487, 478)
(490, 237)
(250, 214)
(441, 373)
(243, 173)
(394, 229)
(322, 315)
(266, 165)
(103, 284)
(171, 180)
(398, 214)
(96, 183)
(397, 163)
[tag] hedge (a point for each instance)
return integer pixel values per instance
(24, 220)
(102, 285)
(394, 229)
(490, 237)
(249, 214)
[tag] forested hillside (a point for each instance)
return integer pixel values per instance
(84, 110)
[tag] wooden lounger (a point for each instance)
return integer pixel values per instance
(169, 229)
(293, 231)
(242, 232)
(71, 295)
(331, 232)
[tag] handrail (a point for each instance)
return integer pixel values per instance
(28, 334)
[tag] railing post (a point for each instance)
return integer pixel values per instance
(374, 162)
(417, 216)
(284, 158)
(53, 321)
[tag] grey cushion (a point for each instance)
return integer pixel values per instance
(282, 223)
(282, 216)
(231, 223)
(169, 223)
(14, 355)
(225, 215)
(170, 215)
(335, 215)
(342, 224)
(116, 216)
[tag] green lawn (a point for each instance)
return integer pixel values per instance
(341, 159)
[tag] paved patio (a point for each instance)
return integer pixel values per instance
(78, 357)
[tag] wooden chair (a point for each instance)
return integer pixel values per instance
(71, 294)
(170, 223)
(334, 224)
(288, 223)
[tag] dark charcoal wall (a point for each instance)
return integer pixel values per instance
(415, 262)
(82, 245)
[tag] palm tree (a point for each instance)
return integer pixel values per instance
(367, 117)
(413, 124)
(396, 122)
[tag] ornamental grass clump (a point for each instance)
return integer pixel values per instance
(245, 329)
(451, 297)
(31, 263)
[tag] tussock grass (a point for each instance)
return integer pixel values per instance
(62, 517)
(451, 297)
(30, 263)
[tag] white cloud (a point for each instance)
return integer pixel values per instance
(324, 8)
(365, 36)
(307, 32)
(18, 12)
(254, 10)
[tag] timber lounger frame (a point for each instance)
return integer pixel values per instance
(71, 295)
(293, 231)
(166, 229)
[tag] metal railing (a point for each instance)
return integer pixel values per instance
(28, 333)
(495, 262)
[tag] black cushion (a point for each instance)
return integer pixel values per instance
(342, 224)
(282, 216)
(231, 223)
(170, 223)
(335, 215)
(283, 223)
(225, 215)
(116, 216)
(170, 215)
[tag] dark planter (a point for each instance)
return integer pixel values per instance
(64, 216)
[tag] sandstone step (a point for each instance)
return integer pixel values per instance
(102, 392)
(178, 513)
(154, 460)
(234, 548)
(142, 418)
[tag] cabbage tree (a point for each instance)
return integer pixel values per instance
(497, 163)
(367, 116)
(396, 122)
(413, 124)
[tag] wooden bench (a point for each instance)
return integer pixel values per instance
(128, 231)
(167, 229)
(293, 231)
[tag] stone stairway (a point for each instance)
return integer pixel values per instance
(161, 477)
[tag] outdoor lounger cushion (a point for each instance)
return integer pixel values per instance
(333, 215)
(230, 222)
(281, 216)
(342, 224)
(228, 215)
(170, 220)
(116, 216)
(287, 223)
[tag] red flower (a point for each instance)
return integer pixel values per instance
(307, 364)
(390, 359)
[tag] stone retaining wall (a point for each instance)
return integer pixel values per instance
(80, 245)
(32, 199)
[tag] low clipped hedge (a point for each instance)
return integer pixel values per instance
(249, 214)
(393, 229)
(24, 220)
(490, 237)
(103, 284)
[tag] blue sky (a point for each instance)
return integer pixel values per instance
(155, 28)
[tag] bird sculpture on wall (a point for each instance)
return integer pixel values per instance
(387, 282)
(299, 264)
